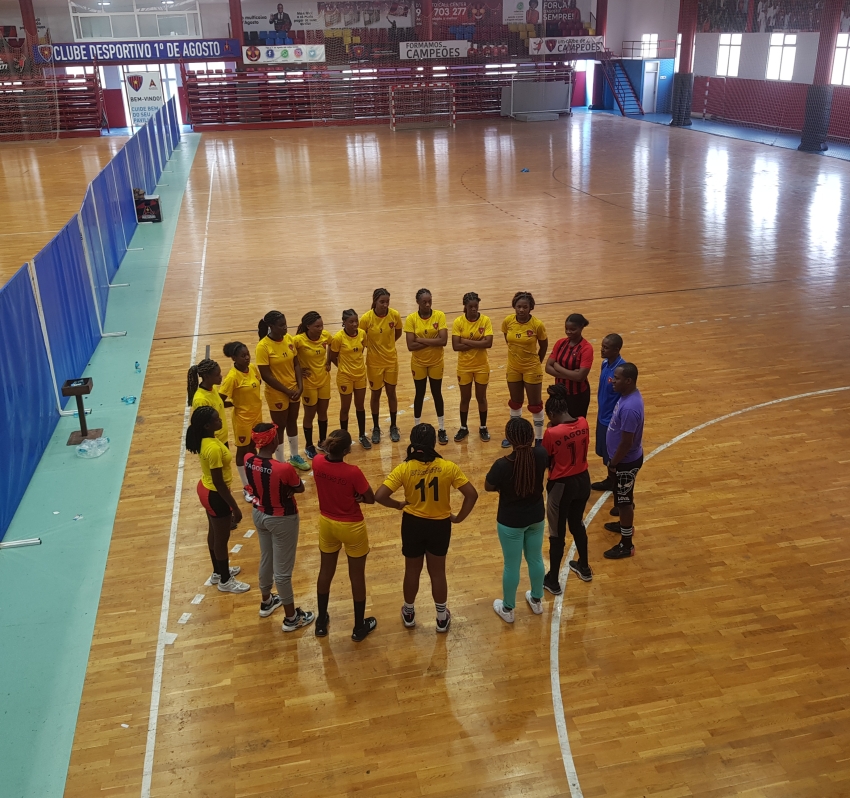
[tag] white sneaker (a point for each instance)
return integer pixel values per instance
(267, 608)
(247, 495)
(232, 586)
(215, 578)
(505, 615)
(536, 605)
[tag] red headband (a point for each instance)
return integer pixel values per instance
(263, 439)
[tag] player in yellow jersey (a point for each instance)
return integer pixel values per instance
(382, 326)
(427, 336)
(311, 346)
(202, 384)
(527, 343)
(346, 353)
(472, 336)
(281, 372)
(427, 518)
(241, 389)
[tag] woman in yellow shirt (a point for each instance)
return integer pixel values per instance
(241, 390)
(281, 372)
(427, 335)
(382, 325)
(214, 493)
(311, 346)
(472, 336)
(427, 518)
(202, 390)
(527, 343)
(346, 353)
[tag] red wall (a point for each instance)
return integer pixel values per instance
(579, 93)
(114, 105)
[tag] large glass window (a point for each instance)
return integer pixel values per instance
(780, 59)
(133, 19)
(841, 64)
(729, 54)
(649, 45)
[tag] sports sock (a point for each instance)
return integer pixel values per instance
(393, 416)
(417, 421)
(441, 611)
(359, 612)
(409, 608)
(482, 415)
(343, 424)
(464, 417)
(361, 421)
(376, 421)
(293, 445)
(322, 601)
(278, 453)
(241, 470)
(441, 421)
(323, 430)
(516, 412)
(538, 425)
(627, 535)
(308, 436)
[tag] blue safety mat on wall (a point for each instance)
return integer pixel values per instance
(94, 243)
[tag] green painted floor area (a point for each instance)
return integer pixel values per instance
(49, 594)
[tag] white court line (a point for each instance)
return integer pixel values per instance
(164, 638)
(554, 639)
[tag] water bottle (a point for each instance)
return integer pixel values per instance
(90, 449)
(128, 400)
(138, 368)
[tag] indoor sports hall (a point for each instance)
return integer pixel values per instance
(674, 172)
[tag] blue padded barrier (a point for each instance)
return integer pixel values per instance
(168, 111)
(164, 134)
(28, 413)
(95, 246)
(175, 122)
(138, 177)
(124, 193)
(67, 301)
(154, 146)
(109, 222)
(160, 139)
(151, 178)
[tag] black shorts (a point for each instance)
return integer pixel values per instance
(578, 403)
(626, 476)
(419, 535)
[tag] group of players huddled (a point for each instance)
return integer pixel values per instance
(295, 370)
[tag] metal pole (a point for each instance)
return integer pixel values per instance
(19, 544)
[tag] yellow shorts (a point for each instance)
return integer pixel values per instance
(348, 384)
(479, 377)
(420, 372)
(312, 393)
(378, 376)
(333, 535)
(277, 402)
(242, 429)
(531, 377)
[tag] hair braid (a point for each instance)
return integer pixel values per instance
(336, 443)
(272, 317)
(556, 404)
(526, 295)
(521, 435)
(195, 375)
(377, 294)
(470, 296)
(307, 319)
(197, 429)
(423, 439)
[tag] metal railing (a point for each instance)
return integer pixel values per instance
(663, 48)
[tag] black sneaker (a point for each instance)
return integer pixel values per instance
(310, 451)
(365, 442)
(613, 527)
(484, 434)
(268, 607)
(376, 434)
(442, 437)
(319, 448)
(395, 435)
(583, 572)
(300, 620)
(408, 618)
(322, 625)
(506, 444)
(620, 552)
(615, 511)
(605, 484)
(360, 633)
(443, 626)
(461, 434)
(552, 584)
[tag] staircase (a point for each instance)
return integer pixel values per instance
(620, 85)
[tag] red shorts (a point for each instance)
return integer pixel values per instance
(212, 502)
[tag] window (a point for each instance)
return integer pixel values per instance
(780, 59)
(649, 45)
(841, 65)
(729, 54)
(133, 19)
(678, 51)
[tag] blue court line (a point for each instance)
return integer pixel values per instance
(49, 594)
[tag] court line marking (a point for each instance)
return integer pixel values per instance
(163, 637)
(555, 634)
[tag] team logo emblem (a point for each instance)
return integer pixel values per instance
(529, 333)
(292, 347)
(435, 325)
(253, 54)
(343, 388)
(392, 324)
(46, 51)
(550, 44)
(481, 329)
(227, 45)
(135, 82)
(358, 51)
(278, 405)
(241, 439)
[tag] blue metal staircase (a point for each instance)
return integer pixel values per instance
(621, 86)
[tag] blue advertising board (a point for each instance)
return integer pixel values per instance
(140, 51)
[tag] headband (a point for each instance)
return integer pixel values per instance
(263, 439)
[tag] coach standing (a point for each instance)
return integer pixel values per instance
(625, 450)
(606, 398)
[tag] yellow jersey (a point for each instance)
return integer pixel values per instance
(427, 486)
(426, 328)
(312, 356)
(380, 338)
(522, 340)
(205, 398)
(473, 359)
(350, 348)
(214, 454)
(243, 391)
(279, 356)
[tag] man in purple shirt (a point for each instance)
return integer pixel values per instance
(625, 451)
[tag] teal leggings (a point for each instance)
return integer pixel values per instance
(515, 541)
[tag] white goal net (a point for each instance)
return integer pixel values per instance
(418, 105)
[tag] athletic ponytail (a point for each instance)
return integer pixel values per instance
(521, 435)
(337, 443)
(197, 429)
(423, 439)
(195, 375)
(306, 320)
(266, 322)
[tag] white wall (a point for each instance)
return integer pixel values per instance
(629, 19)
(754, 52)
(705, 54)
(807, 55)
(215, 18)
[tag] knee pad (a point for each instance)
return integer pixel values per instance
(535, 409)
(515, 405)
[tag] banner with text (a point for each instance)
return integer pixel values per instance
(260, 15)
(144, 95)
(140, 50)
(468, 12)
(288, 54)
(536, 12)
(425, 51)
(571, 47)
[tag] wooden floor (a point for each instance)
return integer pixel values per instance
(713, 663)
(42, 185)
